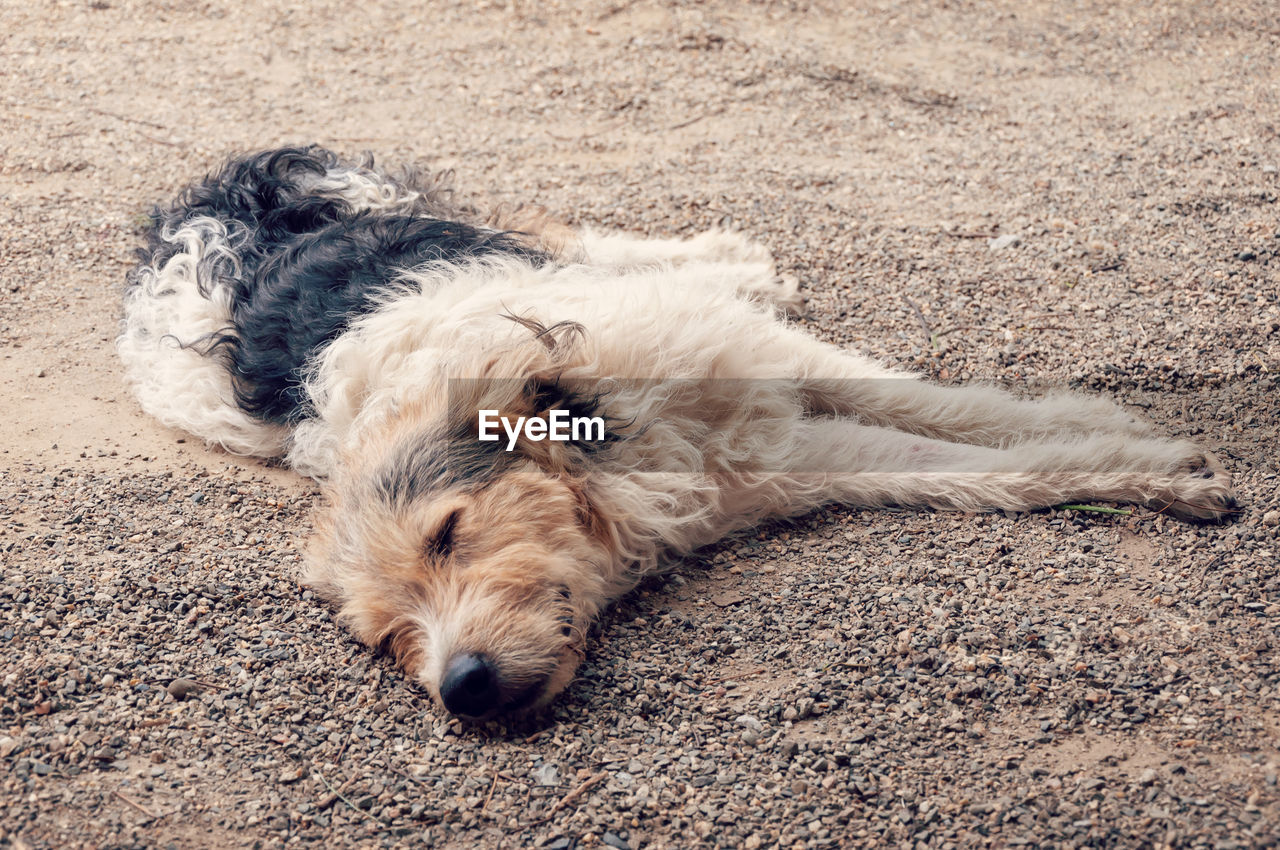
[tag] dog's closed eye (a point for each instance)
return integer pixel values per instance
(439, 543)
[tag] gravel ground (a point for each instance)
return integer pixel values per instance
(1036, 194)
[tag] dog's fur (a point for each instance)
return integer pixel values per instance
(298, 306)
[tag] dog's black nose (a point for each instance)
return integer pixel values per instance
(470, 686)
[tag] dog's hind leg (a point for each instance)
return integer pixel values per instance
(836, 460)
(725, 259)
(715, 246)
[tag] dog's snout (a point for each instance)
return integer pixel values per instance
(470, 687)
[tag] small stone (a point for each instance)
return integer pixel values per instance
(290, 775)
(546, 775)
(1271, 518)
(1006, 240)
(614, 840)
(1243, 256)
(1148, 777)
(746, 720)
(180, 689)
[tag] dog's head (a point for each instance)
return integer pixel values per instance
(480, 569)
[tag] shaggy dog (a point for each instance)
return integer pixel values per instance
(383, 338)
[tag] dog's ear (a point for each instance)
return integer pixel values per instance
(589, 427)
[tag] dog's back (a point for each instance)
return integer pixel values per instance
(254, 269)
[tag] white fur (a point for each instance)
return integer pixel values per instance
(165, 319)
(364, 190)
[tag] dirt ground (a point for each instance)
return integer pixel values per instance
(1035, 194)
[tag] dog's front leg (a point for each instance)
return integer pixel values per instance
(842, 384)
(840, 461)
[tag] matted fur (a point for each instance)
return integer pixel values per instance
(437, 548)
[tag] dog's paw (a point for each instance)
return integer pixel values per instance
(727, 246)
(1200, 490)
(782, 291)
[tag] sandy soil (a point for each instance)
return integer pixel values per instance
(902, 678)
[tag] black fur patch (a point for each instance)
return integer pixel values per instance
(302, 266)
(310, 290)
(453, 456)
(435, 462)
(262, 200)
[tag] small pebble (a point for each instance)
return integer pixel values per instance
(180, 689)
(613, 840)
(546, 775)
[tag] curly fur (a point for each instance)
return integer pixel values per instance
(295, 306)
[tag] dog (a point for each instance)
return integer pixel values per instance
(378, 334)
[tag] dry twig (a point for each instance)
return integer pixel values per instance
(337, 792)
(492, 787)
(136, 805)
(755, 672)
(119, 117)
(569, 798)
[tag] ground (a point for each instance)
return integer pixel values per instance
(1040, 195)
